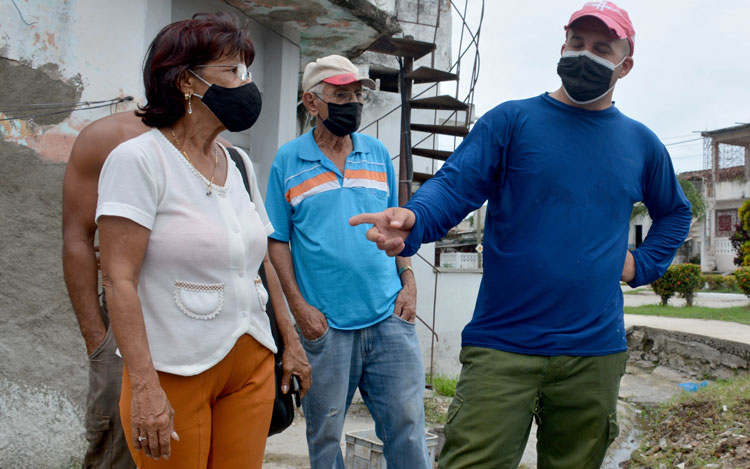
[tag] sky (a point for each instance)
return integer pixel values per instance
(691, 63)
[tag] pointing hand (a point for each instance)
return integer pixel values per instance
(390, 228)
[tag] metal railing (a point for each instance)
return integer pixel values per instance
(472, 44)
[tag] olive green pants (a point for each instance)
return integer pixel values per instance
(573, 399)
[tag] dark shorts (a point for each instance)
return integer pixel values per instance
(107, 447)
(573, 399)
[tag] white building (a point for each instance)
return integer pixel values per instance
(726, 185)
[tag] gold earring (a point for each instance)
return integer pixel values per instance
(189, 99)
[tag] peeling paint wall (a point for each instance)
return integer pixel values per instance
(86, 49)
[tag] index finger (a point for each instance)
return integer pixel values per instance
(363, 218)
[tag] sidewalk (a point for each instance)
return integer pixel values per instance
(717, 329)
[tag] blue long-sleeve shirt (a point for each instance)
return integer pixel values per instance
(560, 182)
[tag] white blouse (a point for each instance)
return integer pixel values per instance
(198, 283)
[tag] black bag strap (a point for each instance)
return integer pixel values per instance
(237, 158)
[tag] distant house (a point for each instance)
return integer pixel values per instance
(725, 184)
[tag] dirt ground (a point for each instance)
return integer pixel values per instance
(707, 429)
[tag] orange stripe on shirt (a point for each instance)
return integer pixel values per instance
(366, 174)
(305, 186)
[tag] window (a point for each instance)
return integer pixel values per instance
(725, 221)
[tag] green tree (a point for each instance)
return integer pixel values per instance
(694, 197)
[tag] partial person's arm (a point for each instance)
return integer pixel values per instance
(311, 321)
(463, 184)
(294, 359)
(406, 301)
(123, 245)
(671, 214)
(79, 229)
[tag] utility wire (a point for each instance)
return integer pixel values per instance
(21, 14)
(89, 105)
(36, 106)
(683, 141)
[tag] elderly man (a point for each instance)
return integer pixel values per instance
(561, 172)
(354, 306)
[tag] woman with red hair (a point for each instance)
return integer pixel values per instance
(181, 242)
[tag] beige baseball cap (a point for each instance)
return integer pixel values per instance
(334, 69)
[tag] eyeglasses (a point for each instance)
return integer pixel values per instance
(240, 70)
(361, 96)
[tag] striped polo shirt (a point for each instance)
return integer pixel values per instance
(309, 203)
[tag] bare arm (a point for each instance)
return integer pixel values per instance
(311, 321)
(406, 302)
(123, 245)
(294, 360)
(79, 259)
(80, 185)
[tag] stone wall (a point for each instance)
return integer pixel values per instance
(700, 356)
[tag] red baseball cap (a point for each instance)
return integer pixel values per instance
(616, 19)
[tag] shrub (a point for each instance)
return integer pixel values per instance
(743, 279)
(664, 286)
(684, 279)
(714, 281)
(688, 280)
(741, 237)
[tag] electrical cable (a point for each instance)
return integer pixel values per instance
(21, 14)
(73, 107)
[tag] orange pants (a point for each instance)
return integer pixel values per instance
(222, 415)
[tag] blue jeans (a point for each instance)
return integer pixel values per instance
(385, 363)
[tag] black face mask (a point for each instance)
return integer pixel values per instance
(585, 77)
(343, 119)
(236, 108)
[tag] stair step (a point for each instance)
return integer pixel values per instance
(402, 47)
(388, 77)
(446, 103)
(454, 130)
(430, 75)
(430, 153)
(421, 177)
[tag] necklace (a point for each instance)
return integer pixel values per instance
(210, 185)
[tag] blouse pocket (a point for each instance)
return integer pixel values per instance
(199, 300)
(262, 293)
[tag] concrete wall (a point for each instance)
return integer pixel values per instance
(700, 356)
(79, 50)
(732, 190)
(457, 291)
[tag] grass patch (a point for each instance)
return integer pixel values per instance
(740, 314)
(444, 385)
(695, 430)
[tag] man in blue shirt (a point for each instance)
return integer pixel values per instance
(560, 172)
(355, 307)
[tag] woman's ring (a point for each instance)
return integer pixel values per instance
(142, 438)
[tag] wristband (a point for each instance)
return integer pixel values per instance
(404, 269)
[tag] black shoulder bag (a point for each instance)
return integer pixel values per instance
(283, 407)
